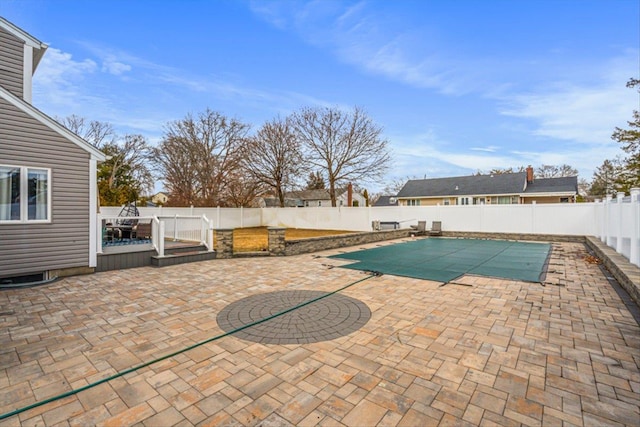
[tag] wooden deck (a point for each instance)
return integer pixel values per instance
(123, 256)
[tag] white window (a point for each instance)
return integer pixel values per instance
(414, 202)
(463, 200)
(25, 194)
(319, 203)
(445, 202)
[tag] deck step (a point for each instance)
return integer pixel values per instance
(182, 258)
(174, 250)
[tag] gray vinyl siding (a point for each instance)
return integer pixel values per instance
(12, 54)
(64, 242)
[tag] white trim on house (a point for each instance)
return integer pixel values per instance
(548, 194)
(27, 73)
(52, 124)
(24, 192)
(93, 210)
(28, 39)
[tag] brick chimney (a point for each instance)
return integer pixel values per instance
(529, 174)
(349, 195)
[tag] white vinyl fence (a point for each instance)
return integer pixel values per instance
(615, 221)
(619, 224)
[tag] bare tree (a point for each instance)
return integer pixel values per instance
(127, 166)
(126, 174)
(273, 157)
(345, 146)
(197, 157)
(315, 181)
(553, 171)
(242, 189)
(94, 132)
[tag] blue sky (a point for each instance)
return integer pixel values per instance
(458, 86)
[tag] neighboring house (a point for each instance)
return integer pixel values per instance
(508, 188)
(48, 188)
(317, 198)
(160, 198)
(386, 201)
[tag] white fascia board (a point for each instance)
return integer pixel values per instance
(93, 212)
(52, 124)
(20, 34)
(27, 39)
(548, 194)
(27, 73)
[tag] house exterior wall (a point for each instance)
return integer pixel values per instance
(452, 201)
(356, 197)
(12, 54)
(29, 248)
(546, 199)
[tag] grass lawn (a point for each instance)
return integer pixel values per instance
(256, 238)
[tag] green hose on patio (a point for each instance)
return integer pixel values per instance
(175, 353)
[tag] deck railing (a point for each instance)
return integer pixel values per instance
(184, 228)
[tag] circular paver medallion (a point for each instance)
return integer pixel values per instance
(325, 319)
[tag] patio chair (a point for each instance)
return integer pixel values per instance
(142, 230)
(418, 230)
(436, 228)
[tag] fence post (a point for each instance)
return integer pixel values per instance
(619, 237)
(161, 239)
(210, 235)
(607, 220)
(634, 254)
(533, 217)
(101, 231)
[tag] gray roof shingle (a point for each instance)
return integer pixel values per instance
(567, 184)
(508, 183)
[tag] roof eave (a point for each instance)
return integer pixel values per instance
(27, 38)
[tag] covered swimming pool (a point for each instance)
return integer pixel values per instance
(445, 259)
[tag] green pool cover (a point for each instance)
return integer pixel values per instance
(443, 259)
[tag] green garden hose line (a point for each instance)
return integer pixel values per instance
(175, 353)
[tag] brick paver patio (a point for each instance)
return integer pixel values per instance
(479, 352)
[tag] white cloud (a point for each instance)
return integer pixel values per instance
(59, 78)
(583, 113)
(489, 149)
(115, 67)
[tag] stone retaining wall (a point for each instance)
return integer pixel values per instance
(315, 244)
(627, 274)
(515, 236)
